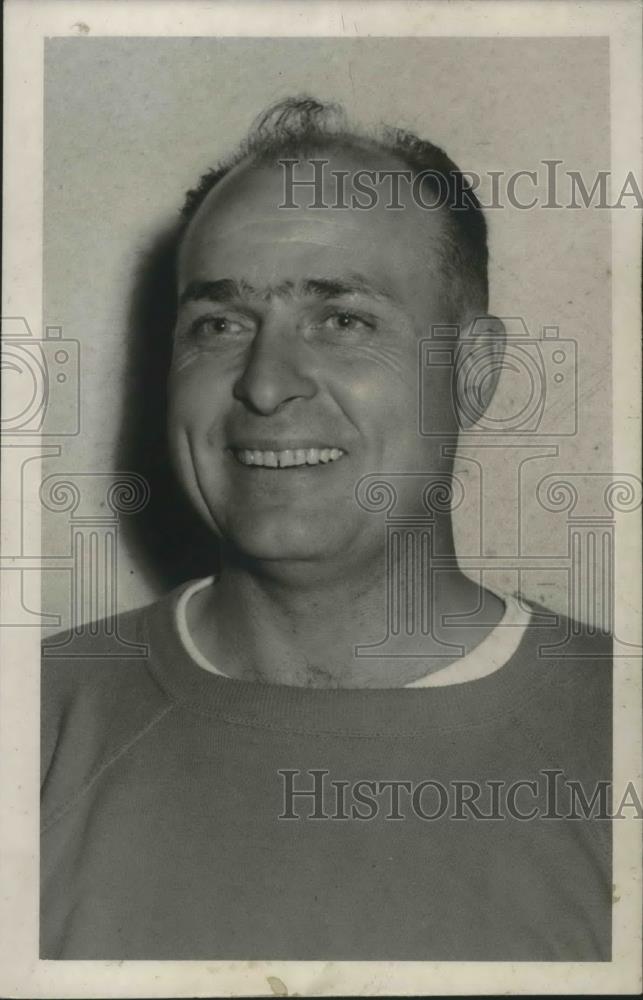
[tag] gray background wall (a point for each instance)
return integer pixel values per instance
(130, 124)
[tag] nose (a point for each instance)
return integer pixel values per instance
(273, 374)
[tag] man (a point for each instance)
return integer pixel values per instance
(257, 787)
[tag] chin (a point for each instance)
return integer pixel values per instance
(284, 537)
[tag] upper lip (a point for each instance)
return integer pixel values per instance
(287, 445)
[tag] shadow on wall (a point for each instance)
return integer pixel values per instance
(167, 539)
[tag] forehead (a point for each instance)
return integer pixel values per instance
(243, 231)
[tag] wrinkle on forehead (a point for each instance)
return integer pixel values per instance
(286, 226)
(310, 236)
(342, 236)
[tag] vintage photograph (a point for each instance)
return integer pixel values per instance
(325, 506)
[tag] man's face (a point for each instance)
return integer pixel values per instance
(295, 368)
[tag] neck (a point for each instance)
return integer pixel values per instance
(300, 625)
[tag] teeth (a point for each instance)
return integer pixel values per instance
(285, 458)
(288, 457)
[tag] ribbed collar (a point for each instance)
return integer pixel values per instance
(359, 712)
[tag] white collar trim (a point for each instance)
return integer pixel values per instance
(487, 657)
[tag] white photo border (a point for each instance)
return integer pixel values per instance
(28, 23)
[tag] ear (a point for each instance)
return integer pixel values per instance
(478, 363)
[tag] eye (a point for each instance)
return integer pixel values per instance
(348, 321)
(213, 326)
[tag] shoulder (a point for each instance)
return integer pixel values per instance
(572, 712)
(98, 694)
(577, 657)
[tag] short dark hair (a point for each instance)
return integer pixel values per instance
(301, 126)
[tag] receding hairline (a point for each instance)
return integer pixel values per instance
(251, 170)
(304, 128)
(275, 160)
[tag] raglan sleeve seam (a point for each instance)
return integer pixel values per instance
(104, 766)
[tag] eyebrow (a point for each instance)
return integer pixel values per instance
(226, 290)
(331, 288)
(223, 290)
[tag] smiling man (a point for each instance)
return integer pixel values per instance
(256, 788)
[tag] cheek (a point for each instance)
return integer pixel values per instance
(197, 392)
(379, 388)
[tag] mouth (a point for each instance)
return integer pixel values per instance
(288, 458)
